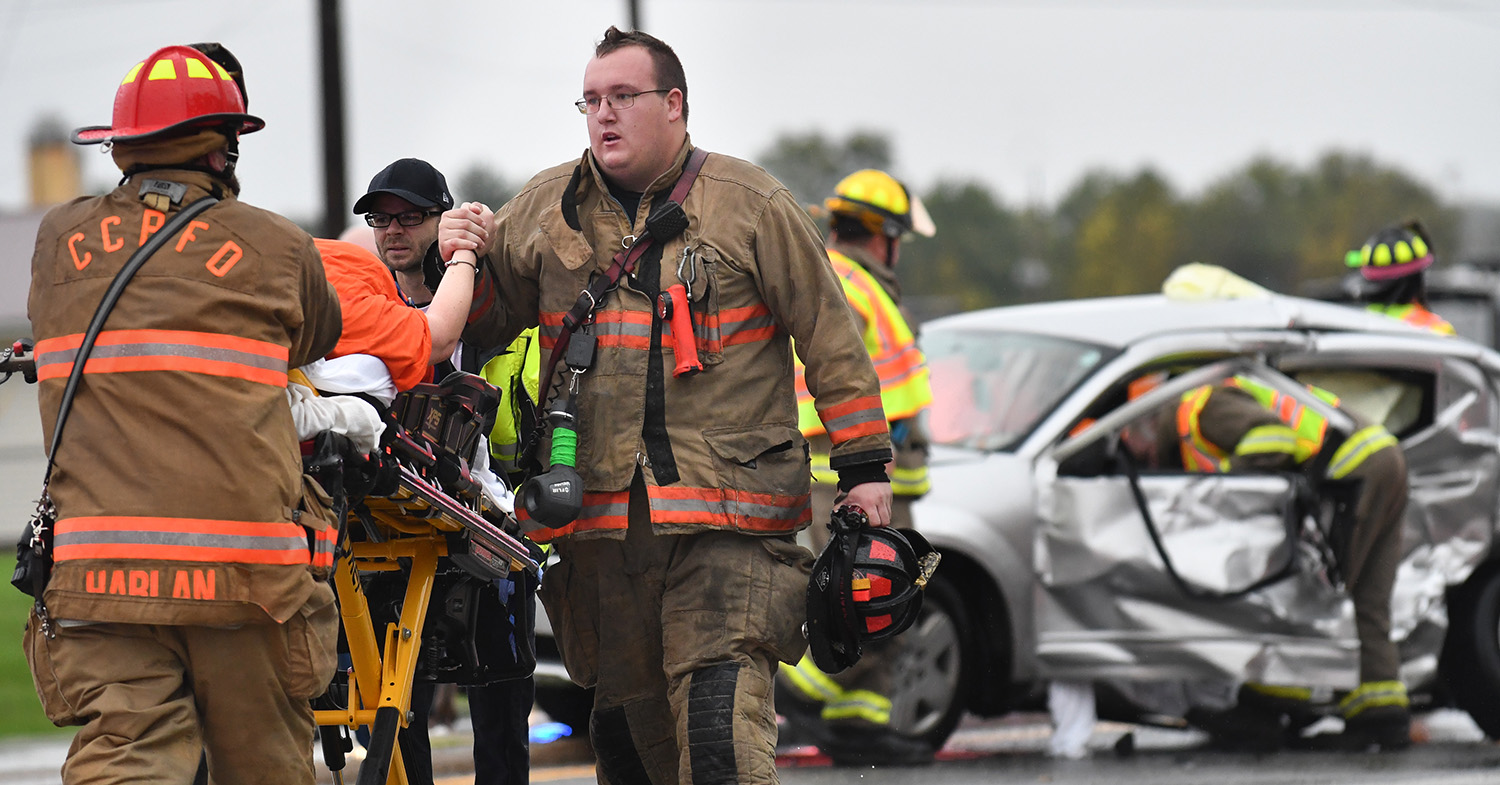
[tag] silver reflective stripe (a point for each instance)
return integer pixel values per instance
(186, 539)
(122, 350)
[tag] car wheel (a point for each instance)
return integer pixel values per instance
(932, 670)
(569, 704)
(1471, 655)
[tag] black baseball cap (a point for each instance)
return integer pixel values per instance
(412, 179)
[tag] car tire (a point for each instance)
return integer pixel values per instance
(569, 704)
(932, 672)
(1471, 655)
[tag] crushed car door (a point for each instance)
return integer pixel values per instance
(1215, 581)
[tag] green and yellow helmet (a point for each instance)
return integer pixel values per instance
(881, 203)
(1393, 252)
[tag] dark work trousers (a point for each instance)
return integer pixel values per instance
(500, 713)
(1371, 558)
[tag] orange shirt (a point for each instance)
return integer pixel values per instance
(377, 320)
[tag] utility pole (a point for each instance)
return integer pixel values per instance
(635, 14)
(330, 38)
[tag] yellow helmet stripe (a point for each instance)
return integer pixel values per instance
(196, 69)
(162, 69)
(130, 77)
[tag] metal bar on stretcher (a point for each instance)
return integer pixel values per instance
(488, 533)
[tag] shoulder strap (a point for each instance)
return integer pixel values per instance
(107, 304)
(592, 297)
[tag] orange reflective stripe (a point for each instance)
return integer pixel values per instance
(853, 419)
(549, 327)
(324, 543)
(123, 351)
(624, 329)
(183, 539)
(1197, 454)
(905, 389)
(601, 512)
(799, 383)
(744, 325)
(728, 507)
(482, 299)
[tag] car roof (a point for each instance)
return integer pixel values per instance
(1121, 321)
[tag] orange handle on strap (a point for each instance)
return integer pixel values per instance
(675, 308)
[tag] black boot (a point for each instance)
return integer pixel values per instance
(1242, 728)
(1378, 728)
(870, 745)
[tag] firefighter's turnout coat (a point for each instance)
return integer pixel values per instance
(719, 450)
(178, 484)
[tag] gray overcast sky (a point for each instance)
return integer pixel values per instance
(1024, 96)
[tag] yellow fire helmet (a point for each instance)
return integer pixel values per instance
(881, 203)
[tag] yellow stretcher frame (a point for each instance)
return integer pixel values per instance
(414, 523)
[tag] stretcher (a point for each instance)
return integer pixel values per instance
(419, 504)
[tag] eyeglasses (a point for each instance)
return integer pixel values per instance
(408, 218)
(617, 101)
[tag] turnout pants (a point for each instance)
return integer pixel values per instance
(152, 698)
(1371, 558)
(680, 636)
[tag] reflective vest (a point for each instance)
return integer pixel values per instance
(905, 389)
(1300, 435)
(1416, 316)
(514, 372)
(1310, 426)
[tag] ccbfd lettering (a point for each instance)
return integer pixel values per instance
(225, 256)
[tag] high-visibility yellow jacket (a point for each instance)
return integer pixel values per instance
(515, 372)
(1416, 316)
(1242, 424)
(905, 386)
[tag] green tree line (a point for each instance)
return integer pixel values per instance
(1271, 222)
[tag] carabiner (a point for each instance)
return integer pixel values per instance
(688, 260)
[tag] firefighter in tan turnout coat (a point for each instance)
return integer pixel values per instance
(680, 584)
(186, 613)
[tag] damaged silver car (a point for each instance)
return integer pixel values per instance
(1168, 589)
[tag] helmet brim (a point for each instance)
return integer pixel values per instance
(96, 134)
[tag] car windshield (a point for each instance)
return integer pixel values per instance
(990, 389)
